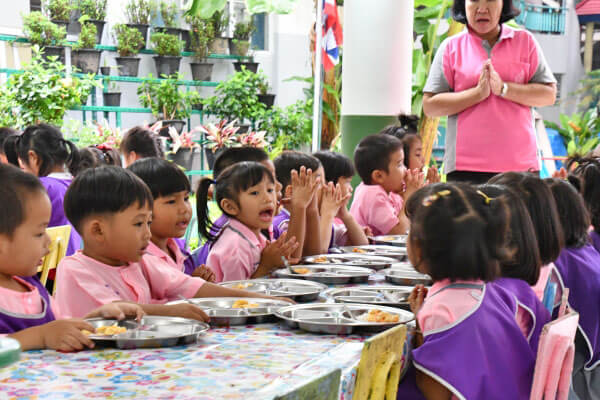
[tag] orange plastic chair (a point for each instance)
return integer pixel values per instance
(59, 239)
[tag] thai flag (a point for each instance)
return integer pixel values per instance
(332, 35)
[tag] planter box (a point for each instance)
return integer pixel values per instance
(57, 51)
(201, 71)
(166, 65)
(219, 46)
(128, 66)
(99, 29)
(143, 29)
(112, 99)
(238, 48)
(267, 99)
(250, 66)
(87, 60)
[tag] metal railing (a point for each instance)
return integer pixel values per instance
(543, 19)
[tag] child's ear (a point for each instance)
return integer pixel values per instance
(377, 176)
(95, 229)
(229, 207)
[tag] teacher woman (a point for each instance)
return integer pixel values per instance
(486, 80)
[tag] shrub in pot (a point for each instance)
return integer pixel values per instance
(84, 55)
(95, 10)
(44, 33)
(168, 47)
(264, 96)
(220, 44)
(240, 44)
(59, 11)
(201, 34)
(138, 14)
(112, 97)
(129, 42)
(168, 13)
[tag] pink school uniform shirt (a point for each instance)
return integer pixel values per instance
(374, 207)
(156, 255)
(25, 303)
(236, 253)
(495, 135)
(84, 284)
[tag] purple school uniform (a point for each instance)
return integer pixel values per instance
(280, 223)
(56, 188)
(579, 270)
(595, 237)
(11, 322)
(484, 355)
(527, 299)
(200, 256)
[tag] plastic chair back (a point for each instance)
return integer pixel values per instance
(59, 240)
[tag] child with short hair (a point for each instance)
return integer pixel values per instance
(44, 153)
(458, 238)
(115, 226)
(345, 230)
(578, 268)
(245, 192)
(379, 160)
(27, 311)
(5, 133)
(140, 142)
(171, 213)
(97, 155)
(588, 171)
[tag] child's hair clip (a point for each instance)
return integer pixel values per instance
(427, 201)
(486, 198)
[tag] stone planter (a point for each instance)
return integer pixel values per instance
(267, 99)
(238, 47)
(201, 71)
(143, 29)
(166, 65)
(112, 99)
(57, 51)
(128, 66)
(219, 46)
(250, 66)
(99, 29)
(87, 60)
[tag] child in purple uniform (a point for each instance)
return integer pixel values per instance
(44, 153)
(588, 171)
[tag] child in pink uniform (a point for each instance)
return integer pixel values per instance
(379, 160)
(138, 143)
(245, 192)
(115, 226)
(27, 311)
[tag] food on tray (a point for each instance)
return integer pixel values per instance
(242, 285)
(321, 259)
(106, 330)
(379, 316)
(243, 304)
(358, 250)
(302, 271)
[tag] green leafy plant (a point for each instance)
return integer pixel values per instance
(87, 37)
(165, 99)
(58, 10)
(201, 35)
(288, 128)
(588, 95)
(41, 93)
(579, 131)
(94, 9)
(139, 11)
(263, 84)
(237, 98)
(129, 40)
(206, 8)
(168, 12)
(166, 44)
(219, 21)
(243, 30)
(91, 133)
(41, 31)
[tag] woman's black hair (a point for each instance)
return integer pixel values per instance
(104, 190)
(163, 177)
(542, 209)
(293, 160)
(143, 142)
(10, 150)
(336, 165)
(51, 148)
(588, 171)
(573, 215)
(509, 11)
(16, 186)
(373, 153)
(460, 233)
(5, 133)
(525, 264)
(234, 179)
(233, 155)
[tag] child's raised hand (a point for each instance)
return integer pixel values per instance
(433, 175)
(414, 180)
(186, 310)
(118, 310)
(416, 298)
(270, 258)
(303, 187)
(560, 174)
(66, 335)
(205, 273)
(367, 230)
(332, 199)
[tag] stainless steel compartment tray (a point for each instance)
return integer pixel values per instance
(339, 319)
(221, 311)
(295, 289)
(151, 331)
(392, 296)
(399, 253)
(406, 277)
(328, 274)
(351, 259)
(392, 240)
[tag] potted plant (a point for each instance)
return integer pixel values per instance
(44, 33)
(168, 12)
(84, 55)
(201, 34)
(95, 10)
(288, 128)
(218, 137)
(166, 101)
(168, 49)
(59, 11)
(105, 69)
(268, 99)
(219, 22)
(240, 44)
(129, 42)
(182, 148)
(112, 96)
(138, 14)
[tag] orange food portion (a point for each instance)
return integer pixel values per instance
(243, 304)
(242, 286)
(381, 316)
(302, 271)
(321, 259)
(357, 250)
(106, 330)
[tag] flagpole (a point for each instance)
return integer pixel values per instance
(316, 131)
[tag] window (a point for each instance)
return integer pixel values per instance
(238, 12)
(35, 5)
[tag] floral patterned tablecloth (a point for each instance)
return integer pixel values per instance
(249, 362)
